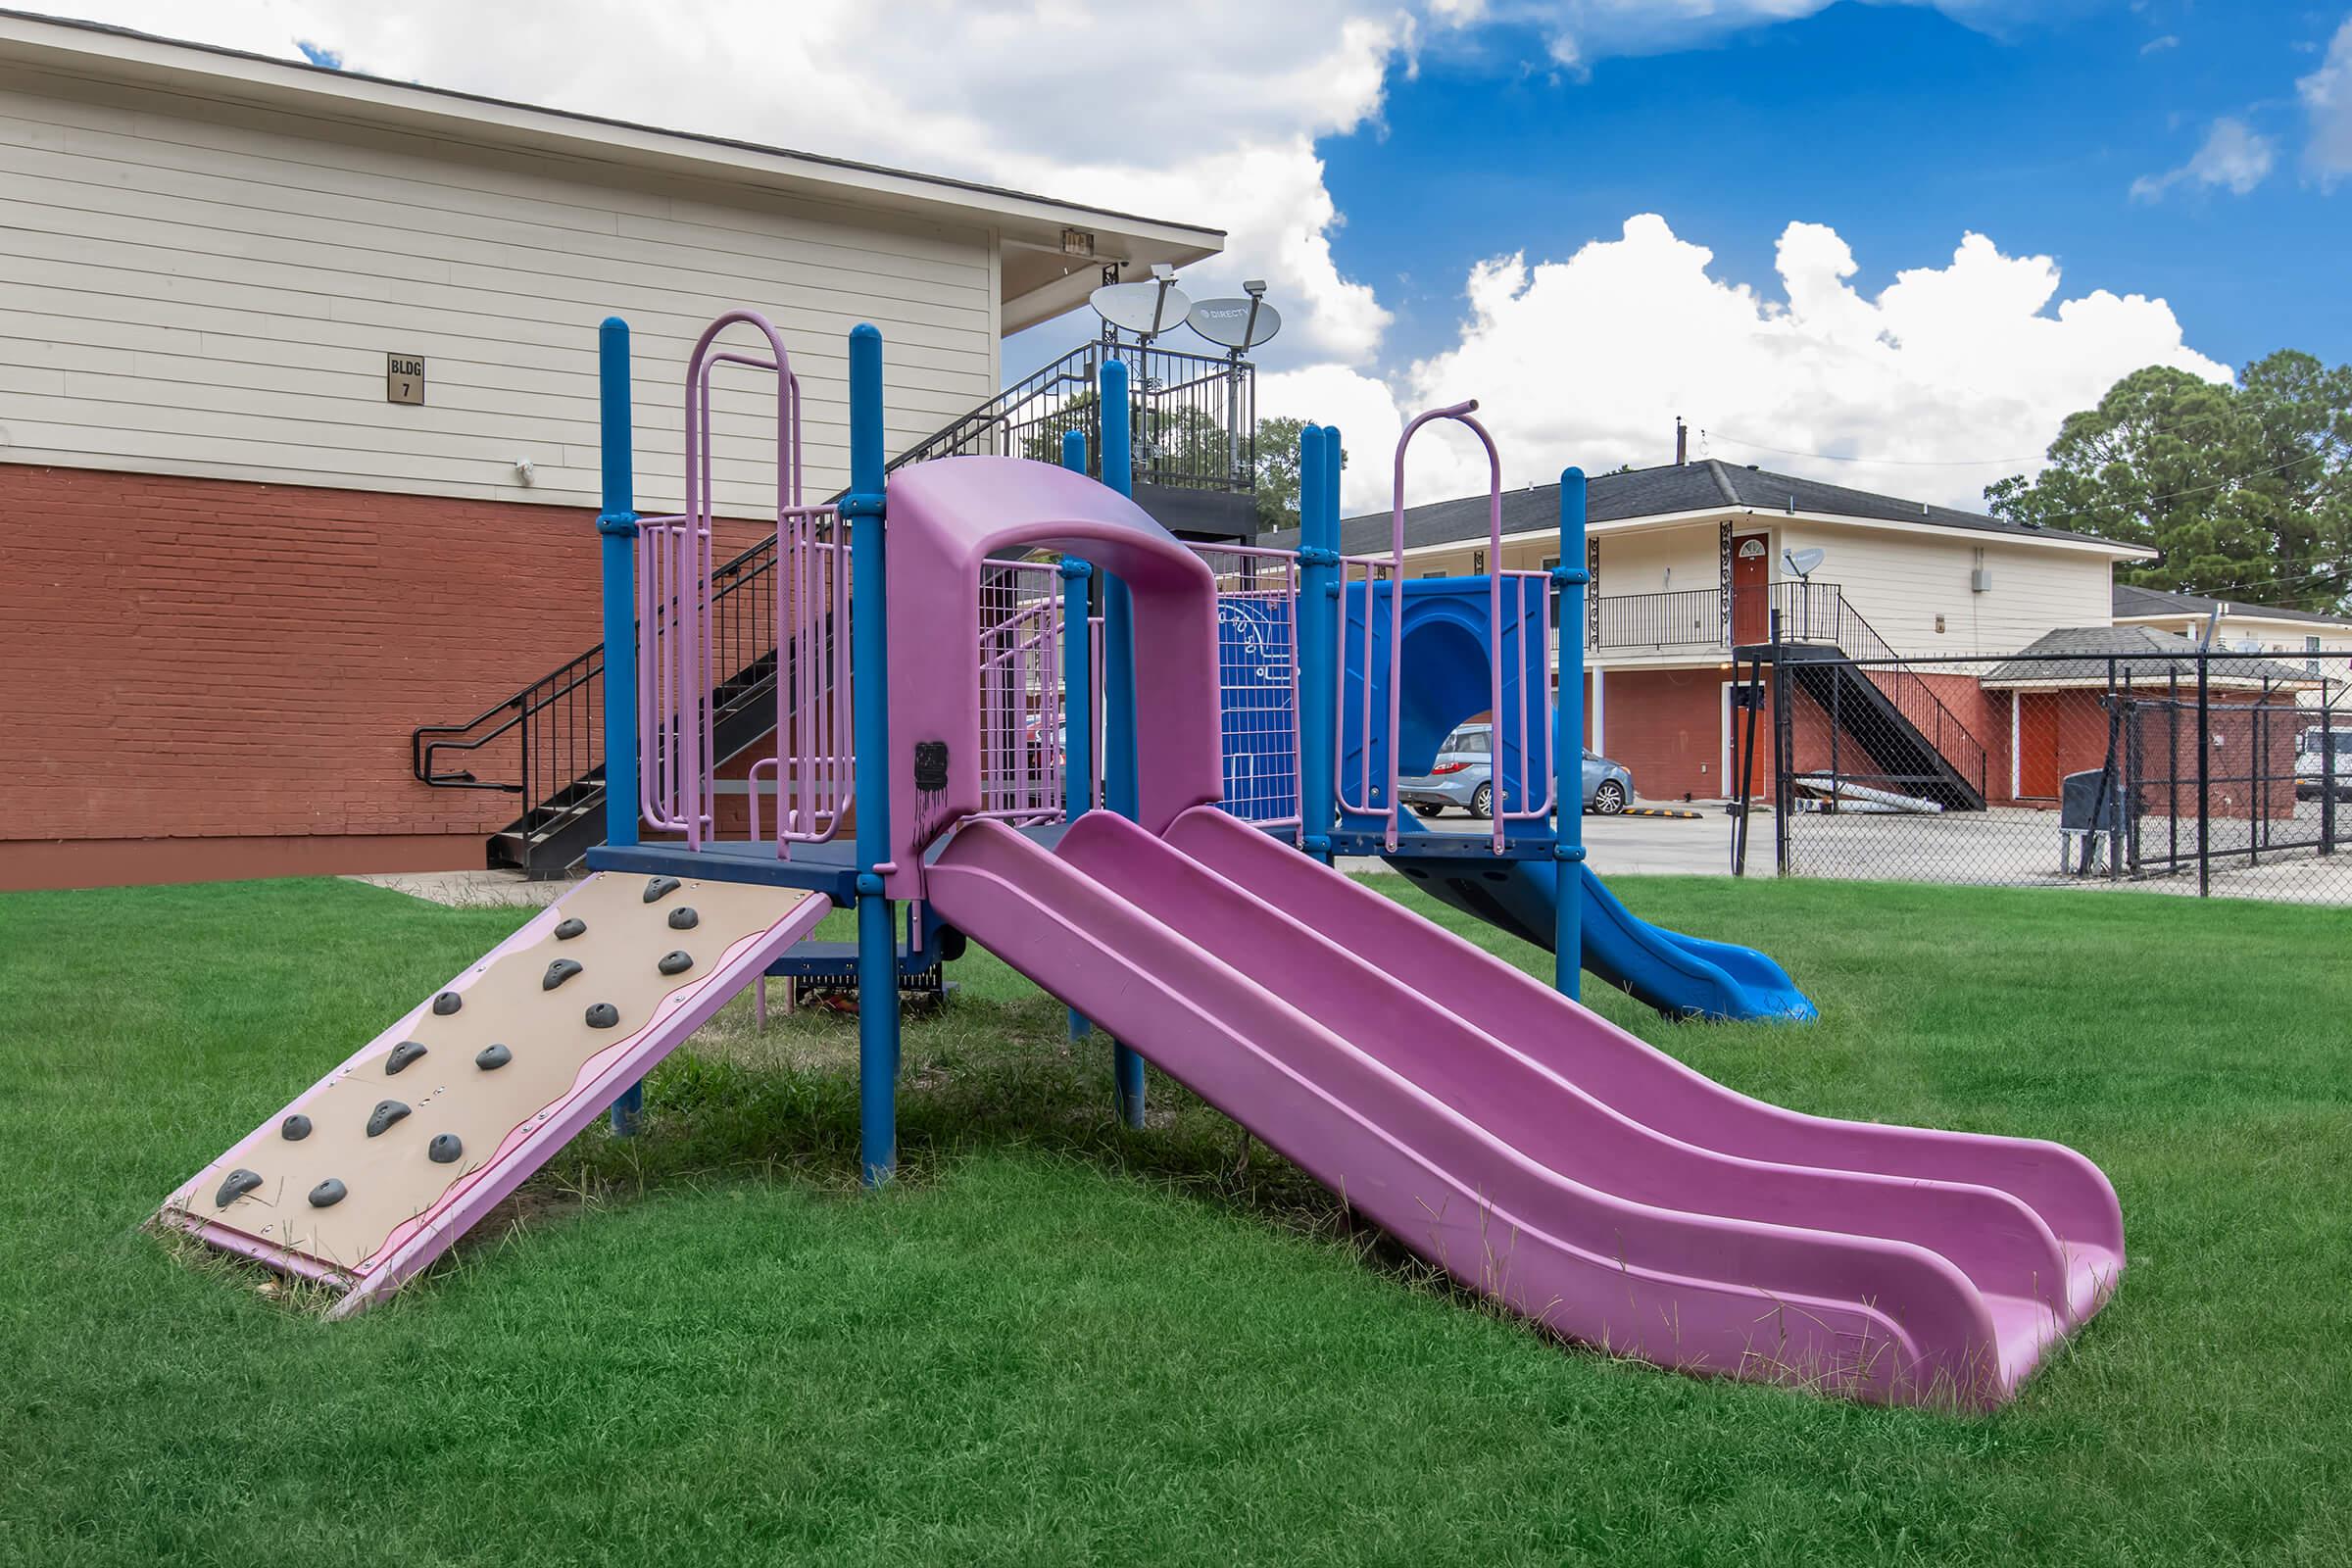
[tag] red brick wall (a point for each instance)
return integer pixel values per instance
(1666, 725)
(201, 659)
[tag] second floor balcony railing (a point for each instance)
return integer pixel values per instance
(1688, 620)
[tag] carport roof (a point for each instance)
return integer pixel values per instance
(2080, 656)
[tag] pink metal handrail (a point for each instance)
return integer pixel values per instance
(1027, 639)
(1095, 725)
(679, 783)
(815, 778)
(663, 547)
(1521, 583)
(1393, 565)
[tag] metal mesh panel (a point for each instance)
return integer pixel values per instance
(1258, 680)
(2184, 772)
(1023, 734)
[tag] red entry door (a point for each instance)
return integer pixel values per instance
(2037, 745)
(1751, 589)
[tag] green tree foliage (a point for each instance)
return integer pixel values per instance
(2245, 490)
(1278, 473)
(1180, 440)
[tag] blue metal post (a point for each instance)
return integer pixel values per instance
(869, 664)
(1317, 696)
(1077, 683)
(1120, 781)
(617, 543)
(1569, 578)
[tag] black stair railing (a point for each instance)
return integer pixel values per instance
(1192, 421)
(1818, 612)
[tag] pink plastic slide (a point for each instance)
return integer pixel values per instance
(1531, 1149)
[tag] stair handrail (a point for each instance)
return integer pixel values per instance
(1888, 671)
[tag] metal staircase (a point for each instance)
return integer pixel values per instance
(1195, 463)
(1915, 743)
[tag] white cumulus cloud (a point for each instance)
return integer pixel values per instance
(2327, 95)
(1588, 360)
(2233, 157)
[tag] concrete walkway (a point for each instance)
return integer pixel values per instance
(1634, 846)
(469, 890)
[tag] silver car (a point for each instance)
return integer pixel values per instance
(1462, 777)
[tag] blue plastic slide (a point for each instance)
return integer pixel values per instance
(1683, 977)
(1447, 629)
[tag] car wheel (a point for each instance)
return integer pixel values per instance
(1427, 809)
(1482, 804)
(1609, 798)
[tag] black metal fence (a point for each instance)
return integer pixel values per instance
(1192, 420)
(2206, 772)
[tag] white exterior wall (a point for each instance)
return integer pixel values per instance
(2291, 637)
(198, 288)
(1900, 580)
(1660, 561)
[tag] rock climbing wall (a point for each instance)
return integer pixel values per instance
(382, 1163)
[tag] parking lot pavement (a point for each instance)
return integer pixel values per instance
(2005, 846)
(1631, 846)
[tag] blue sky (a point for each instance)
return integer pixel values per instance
(1897, 126)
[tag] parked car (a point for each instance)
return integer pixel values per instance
(2316, 770)
(1462, 777)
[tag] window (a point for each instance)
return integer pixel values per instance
(1551, 563)
(2311, 666)
(1427, 575)
(1477, 742)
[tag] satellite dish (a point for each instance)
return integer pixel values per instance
(1242, 323)
(1803, 562)
(1147, 309)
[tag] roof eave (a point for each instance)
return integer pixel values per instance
(84, 49)
(2107, 547)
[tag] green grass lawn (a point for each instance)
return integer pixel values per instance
(1058, 1341)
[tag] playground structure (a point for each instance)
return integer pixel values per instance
(970, 745)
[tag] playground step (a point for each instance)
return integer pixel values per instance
(368, 1175)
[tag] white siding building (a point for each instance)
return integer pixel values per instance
(246, 559)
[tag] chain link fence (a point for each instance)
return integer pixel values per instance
(2174, 768)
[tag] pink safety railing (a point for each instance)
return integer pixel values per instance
(1258, 680)
(673, 676)
(811, 767)
(1023, 738)
(816, 779)
(1523, 589)
(680, 775)
(1391, 569)
(1095, 729)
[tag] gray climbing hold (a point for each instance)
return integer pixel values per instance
(603, 1015)
(557, 972)
(327, 1194)
(676, 962)
(406, 1052)
(444, 1149)
(683, 918)
(570, 928)
(294, 1129)
(492, 1057)
(447, 1002)
(385, 1113)
(239, 1182)
(658, 887)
